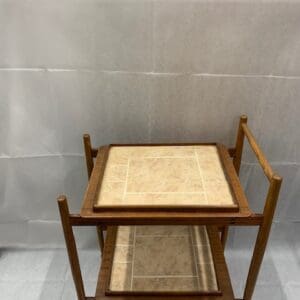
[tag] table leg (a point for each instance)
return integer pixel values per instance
(71, 246)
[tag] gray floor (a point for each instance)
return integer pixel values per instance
(45, 274)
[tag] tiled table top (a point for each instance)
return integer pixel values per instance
(164, 175)
(163, 258)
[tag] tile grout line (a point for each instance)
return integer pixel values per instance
(195, 259)
(133, 258)
(201, 175)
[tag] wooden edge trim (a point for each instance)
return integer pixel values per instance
(222, 274)
(163, 294)
(100, 173)
(166, 208)
(94, 183)
(107, 260)
(226, 171)
(258, 152)
(154, 219)
(234, 180)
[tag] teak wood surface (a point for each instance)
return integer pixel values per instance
(214, 220)
(167, 215)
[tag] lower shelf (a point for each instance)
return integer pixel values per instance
(163, 262)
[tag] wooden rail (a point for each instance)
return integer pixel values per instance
(258, 152)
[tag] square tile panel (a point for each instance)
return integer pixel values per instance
(137, 176)
(163, 258)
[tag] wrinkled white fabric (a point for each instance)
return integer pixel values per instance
(137, 71)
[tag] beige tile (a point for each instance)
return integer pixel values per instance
(109, 198)
(162, 230)
(160, 255)
(165, 199)
(121, 277)
(163, 256)
(206, 151)
(113, 186)
(210, 164)
(164, 175)
(123, 254)
(169, 151)
(212, 171)
(120, 155)
(165, 284)
(211, 159)
(218, 193)
(115, 172)
(207, 277)
(111, 193)
(125, 235)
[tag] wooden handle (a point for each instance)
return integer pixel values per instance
(88, 154)
(258, 152)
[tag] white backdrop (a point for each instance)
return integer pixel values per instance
(139, 71)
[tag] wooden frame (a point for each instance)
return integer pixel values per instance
(90, 153)
(153, 208)
(244, 216)
(87, 210)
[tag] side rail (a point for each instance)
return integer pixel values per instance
(90, 154)
(270, 202)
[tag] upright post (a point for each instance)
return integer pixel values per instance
(262, 236)
(237, 158)
(71, 246)
(88, 154)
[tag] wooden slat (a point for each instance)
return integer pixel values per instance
(156, 218)
(222, 273)
(234, 180)
(258, 152)
(167, 208)
(95, 179)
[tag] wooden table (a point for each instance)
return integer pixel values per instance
(164, 206)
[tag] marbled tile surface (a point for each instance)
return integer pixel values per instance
(163, 258)
(164, 175)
